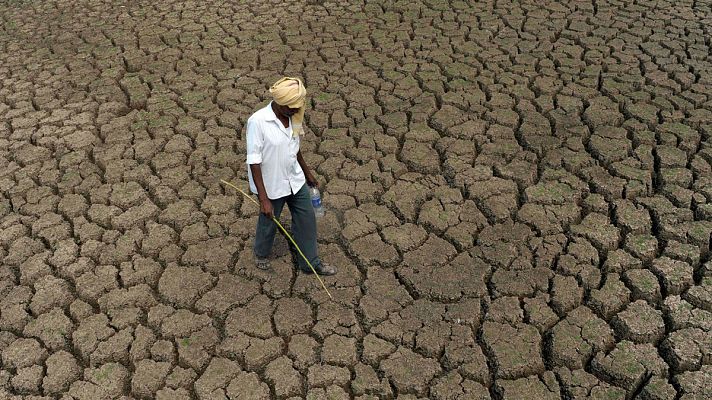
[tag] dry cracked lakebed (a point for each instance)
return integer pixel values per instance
(519, 200)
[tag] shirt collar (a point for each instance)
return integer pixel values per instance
(271, 116)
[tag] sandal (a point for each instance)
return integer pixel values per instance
(262, 263)
(323, 269)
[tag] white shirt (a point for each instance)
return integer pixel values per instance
(270, 144)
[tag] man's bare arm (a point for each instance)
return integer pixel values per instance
(265, 203)
(311, 180)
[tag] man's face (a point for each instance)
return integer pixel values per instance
(286, 111)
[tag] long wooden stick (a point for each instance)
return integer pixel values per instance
(285, 232)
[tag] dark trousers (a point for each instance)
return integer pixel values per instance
(303, 228)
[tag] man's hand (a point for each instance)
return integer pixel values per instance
(311, 180)
(266, 208)
(265, 205)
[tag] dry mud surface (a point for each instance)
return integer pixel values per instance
(519, 200)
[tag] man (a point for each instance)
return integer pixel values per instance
(278, 174)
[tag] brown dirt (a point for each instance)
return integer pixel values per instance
(519, 200)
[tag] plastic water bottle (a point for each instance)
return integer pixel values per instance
(316, 202)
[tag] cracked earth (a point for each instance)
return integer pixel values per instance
(518, 193)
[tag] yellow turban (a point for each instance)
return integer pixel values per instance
(291, 92)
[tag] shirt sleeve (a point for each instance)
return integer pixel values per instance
(255, 142)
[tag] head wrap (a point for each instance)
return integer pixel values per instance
(291, 92)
